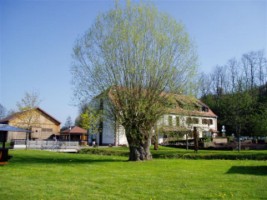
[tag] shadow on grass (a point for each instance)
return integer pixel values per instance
(64, 159)
(252, 170)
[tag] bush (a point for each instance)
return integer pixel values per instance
(103, 151)
(176, 153)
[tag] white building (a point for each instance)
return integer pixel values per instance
(182, 116)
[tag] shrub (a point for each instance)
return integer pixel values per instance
(175, 153)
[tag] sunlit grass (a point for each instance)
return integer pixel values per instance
(48, 175)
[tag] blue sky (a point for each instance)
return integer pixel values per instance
(37, 37)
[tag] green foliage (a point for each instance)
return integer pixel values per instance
(90, 119)
(241, 112)
(106, 151)
(207, 139)
(176, 153)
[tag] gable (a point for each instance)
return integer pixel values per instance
(47, 117)
(38, 113)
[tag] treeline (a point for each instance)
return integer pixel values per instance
(237, 93)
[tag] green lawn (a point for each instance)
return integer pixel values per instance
(47, 175)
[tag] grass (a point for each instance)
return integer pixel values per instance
(33, 174)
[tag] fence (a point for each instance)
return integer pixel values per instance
(46, 144)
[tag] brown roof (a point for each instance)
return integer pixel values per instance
(189, 105)
(10, 117)
(74, 130)
(179, 104)
(180, 111)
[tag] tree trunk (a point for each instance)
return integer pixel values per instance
(139, 145)
(156, 146)
(139, 153)
(155, 141)
(196, 137)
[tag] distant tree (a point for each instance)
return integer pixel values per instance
(27, 115)
(138, 53)
(254, 66)
(68, 122)
(219, 81)
(259, 122)
(29, 101)
(204, 85)
(3, 111)
(262, 67)
(90, 120)
(238, 94)
(233, 74)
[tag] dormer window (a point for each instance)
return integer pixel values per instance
(205, 109)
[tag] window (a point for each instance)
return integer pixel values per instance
(207, 121)
(205, 109)
(190, 120)
(195, 120)
(204, 121)
(210, 121)
(170, 120)
(177, 121)
(47, 130)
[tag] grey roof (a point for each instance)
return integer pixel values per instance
(6, 127)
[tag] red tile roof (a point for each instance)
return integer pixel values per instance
(74, 130)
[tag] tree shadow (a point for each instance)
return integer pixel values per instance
(252, 170)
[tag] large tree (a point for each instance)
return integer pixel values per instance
(141, 54)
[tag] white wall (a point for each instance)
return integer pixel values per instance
(109, 136)
(121, 136)
(109, 129)
(164, 121)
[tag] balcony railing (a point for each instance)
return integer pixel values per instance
(46, 144)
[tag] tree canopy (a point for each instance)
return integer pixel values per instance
(140, 53)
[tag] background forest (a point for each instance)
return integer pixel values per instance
(237, 93)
